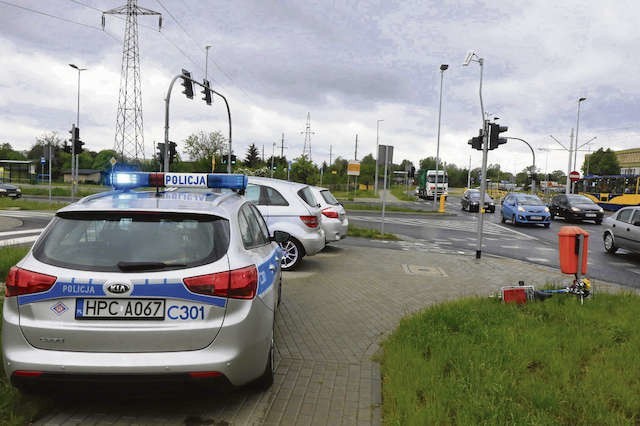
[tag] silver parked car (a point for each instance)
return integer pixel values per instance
(622, 230)
(290, 207)
(334, 219)
(177, 287)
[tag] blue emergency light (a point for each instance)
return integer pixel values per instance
(130, 180)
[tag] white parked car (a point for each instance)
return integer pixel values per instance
(334, 219)
(290, 207)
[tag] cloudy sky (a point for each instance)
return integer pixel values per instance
(346, 63)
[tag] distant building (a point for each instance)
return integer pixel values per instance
(629, 160)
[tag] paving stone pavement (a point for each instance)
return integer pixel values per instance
(336, 309)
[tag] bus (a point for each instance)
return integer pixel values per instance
(611, 192)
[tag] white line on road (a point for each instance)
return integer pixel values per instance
(537, 259)
(515, 232)
(28, 231)
(16, 241)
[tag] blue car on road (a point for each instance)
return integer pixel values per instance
(525, 208)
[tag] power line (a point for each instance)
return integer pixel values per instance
(39, 12)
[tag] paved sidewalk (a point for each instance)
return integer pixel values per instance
(336, 309)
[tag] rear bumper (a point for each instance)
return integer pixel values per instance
(313, 242)
(335, 230)
(238, 353)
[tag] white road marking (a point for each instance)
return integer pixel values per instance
(16, 241)
(28, 231)
(537, 259)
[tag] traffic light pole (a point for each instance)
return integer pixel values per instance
(483, 180)
(166, 118)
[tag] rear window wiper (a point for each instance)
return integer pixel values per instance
(147, 266)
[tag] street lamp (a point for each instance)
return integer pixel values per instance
(206, 62)
(74, 165)
(443, 68)
(575, 153)
(375, 183)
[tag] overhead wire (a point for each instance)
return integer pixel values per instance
(39, 12)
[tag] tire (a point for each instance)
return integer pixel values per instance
(552, 215)
(546, 225)
(513, 220)
(598, 222)
(502, 219)
(292, 254)
(609, 245)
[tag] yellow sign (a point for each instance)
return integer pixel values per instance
(353, 168)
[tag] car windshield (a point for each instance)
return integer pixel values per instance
(529, 200)
(474, 195)
(118, 241)
(579, 199)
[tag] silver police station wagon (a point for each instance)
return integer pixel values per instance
(170, 285)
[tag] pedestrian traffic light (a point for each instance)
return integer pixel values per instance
(206, 91)
(476, 142)
(161, 154)
(187, 84)
(494, 135)
(172, 152)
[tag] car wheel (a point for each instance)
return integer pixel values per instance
(598, 222)
(292, 254)
(609, 246)
(502, 219)
(552, 215)
(266, 379)
(546, 225)
(513, 220)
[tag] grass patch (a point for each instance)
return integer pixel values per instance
(22, 204)
(478, 361)
(400, 192)
(354, 231)
(9, 256)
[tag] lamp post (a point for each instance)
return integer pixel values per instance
(206, 62)
(74, 168)
(375, 182)
(570, 149)
(533, 153)
(472, 56)
(575, 152)
(443, 68)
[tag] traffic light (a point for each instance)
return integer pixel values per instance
(187, 84)
(225, 159)
(161, 154)
(476, 142)
(172, 152)
(206, 91)
(412, 172)
(494, 135)
(77, 144)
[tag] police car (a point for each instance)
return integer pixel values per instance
(172, 284)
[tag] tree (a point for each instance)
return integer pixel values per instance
(252, 160)
(367, 170)
(428, 163)
(603, 162)
(7, 153)
(102, 160)
(201, 147)
(304, 171)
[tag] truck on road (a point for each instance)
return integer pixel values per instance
(432, 185)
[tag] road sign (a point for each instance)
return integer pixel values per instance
(42, 160)
(353, 168)
(113, 161)
(574, 176)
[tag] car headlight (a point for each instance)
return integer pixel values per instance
(575, 209)
(474, 203)
(521, 209)
(546, 209)
(601, 210)
(3, 190)
(18, 190)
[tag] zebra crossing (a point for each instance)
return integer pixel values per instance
(489, 228)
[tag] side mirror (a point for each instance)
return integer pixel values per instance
(280, 236)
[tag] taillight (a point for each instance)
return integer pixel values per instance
(237, 284)
(21, 281)
(310, 221)
(330, 213)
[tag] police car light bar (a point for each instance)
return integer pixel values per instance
(130, 180)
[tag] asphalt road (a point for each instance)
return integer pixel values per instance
(456, 231)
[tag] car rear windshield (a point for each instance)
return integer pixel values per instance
(132, 241)
(307, 195)
(329, 198)
(579, 199)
